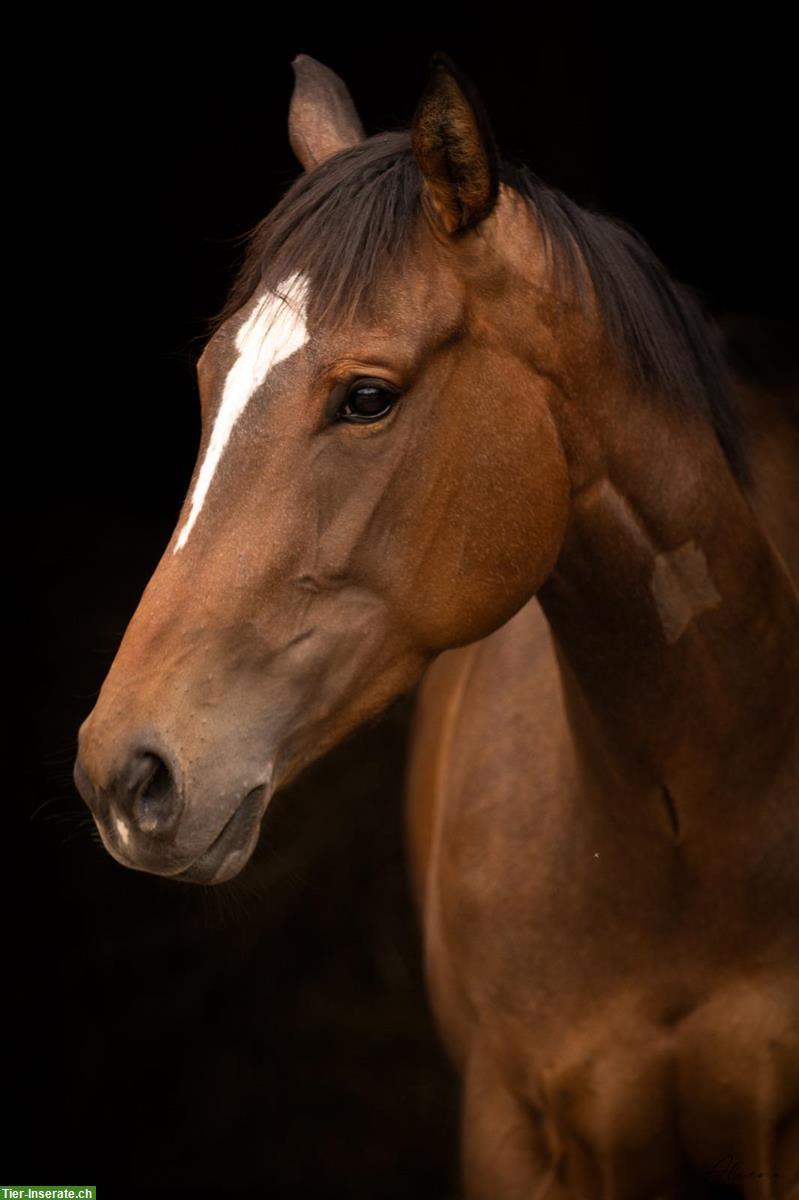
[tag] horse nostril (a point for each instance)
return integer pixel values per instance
(154, 794)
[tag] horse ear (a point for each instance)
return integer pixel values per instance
(455, 149)
(322, 117)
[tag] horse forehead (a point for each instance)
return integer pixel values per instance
(271, 329)
(401, 316)
(260, 334)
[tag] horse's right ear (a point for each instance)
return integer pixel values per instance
(455, 150)
(322, 117)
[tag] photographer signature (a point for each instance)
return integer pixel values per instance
(732, 1170)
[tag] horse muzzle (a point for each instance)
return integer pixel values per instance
(151, 820)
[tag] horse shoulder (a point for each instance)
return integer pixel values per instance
(486, 740)
(504, 681)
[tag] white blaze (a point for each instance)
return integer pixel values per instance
(274, 330)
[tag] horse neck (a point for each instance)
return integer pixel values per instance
(675, 625)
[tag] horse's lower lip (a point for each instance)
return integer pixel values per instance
(230, 850)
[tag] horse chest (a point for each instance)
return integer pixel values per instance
(637, 1010)
(631, 1097)
(625, 1075)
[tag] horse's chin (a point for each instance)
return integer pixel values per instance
(225, 856)
(232, 849)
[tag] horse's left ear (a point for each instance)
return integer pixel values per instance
(455, 149)
(322, 117)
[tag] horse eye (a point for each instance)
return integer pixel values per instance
(367, 401)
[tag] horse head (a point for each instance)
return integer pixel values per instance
(363, 496)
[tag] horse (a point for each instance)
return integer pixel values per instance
(463, 435)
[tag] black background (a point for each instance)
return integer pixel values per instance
(273, 1033)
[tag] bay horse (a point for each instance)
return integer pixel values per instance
(458, 429)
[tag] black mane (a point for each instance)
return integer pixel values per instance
(344, 222)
